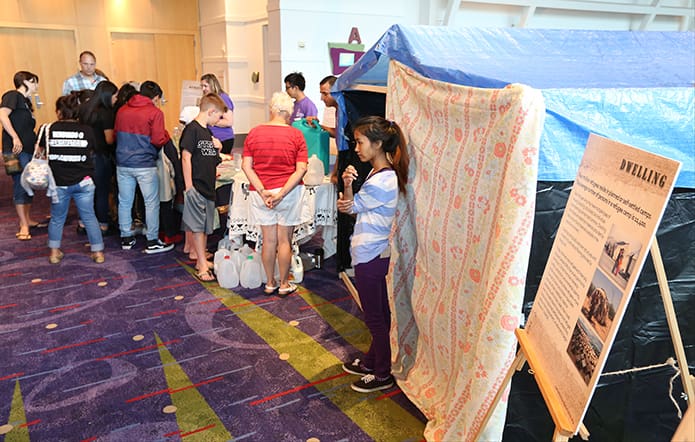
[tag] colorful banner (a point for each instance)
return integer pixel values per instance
(461, 245)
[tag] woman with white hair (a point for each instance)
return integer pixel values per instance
(275, 160)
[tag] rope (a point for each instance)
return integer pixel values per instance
(669, 362)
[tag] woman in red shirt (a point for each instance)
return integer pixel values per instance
(275, 160)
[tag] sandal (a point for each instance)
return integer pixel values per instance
(55, 258)
(288, 290)
(269, 289)
(23, 236)
(206, 276)
(98, 257)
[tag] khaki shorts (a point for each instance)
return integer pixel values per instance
(287, 213)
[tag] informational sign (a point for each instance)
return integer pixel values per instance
(191, 92)
(611, 217)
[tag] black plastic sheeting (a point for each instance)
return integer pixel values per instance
(635, 406)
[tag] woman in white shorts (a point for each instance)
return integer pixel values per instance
(275, 160)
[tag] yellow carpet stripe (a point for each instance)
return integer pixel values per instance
(193, 412)
(351, 328)
(17, 417)
(382, 420)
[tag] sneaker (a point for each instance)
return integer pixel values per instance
(127, 242)
(157, 246)
(370, 383)
(356, 367)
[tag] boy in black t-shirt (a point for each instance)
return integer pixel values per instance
(199, 160)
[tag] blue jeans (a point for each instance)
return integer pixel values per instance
(19, 195)
(83, 194)
(103, 171)
(147, 179)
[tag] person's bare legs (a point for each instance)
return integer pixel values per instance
(188, 245)
(268, 252)
(199, 241)
(23, 215)
(27, 215)
(284, 248)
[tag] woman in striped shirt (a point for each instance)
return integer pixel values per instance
(381, 143)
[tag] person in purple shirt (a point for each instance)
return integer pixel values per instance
(303, 106)
(222, 130)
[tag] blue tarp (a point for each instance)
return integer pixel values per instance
(634, 87)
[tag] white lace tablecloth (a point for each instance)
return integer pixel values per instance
(318, 209)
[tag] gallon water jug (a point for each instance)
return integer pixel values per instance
(296, 269)
(220, 254)
(238, 259)
(225, 243)
(317, 141)
(314, 173)
(250, 276)
(227, 275)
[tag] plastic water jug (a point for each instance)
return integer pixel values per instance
(296, 269)
(227, 275)
(225, 243)
(250, 276)
(317, 141)
(238, 259)
(314, 174)
(220, 254)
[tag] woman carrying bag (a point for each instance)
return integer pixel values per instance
(18, 138)
(70, 152)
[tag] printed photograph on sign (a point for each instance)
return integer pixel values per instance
(600, 304)
(584, 349)
(619, 255)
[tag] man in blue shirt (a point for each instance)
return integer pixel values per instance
(86, 78)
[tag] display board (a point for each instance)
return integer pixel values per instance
(618, 198)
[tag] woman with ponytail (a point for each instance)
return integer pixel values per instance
(381, 143)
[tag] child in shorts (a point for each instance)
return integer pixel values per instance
(199, 160)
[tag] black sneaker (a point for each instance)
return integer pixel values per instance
(356, 367)
(127, 242)
(370, 383)
(157, 246)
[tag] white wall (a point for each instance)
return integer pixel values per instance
(232, 49)
(314, 24)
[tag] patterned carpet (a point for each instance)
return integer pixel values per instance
(137, 349)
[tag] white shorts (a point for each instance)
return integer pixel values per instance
(287, 213)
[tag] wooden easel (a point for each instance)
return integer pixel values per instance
(563, 429)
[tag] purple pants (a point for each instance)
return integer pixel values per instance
(370, 281)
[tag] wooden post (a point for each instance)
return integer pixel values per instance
(526, 353)
(672, 322)
(517, 365)
(351, 288)
(563, 426)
